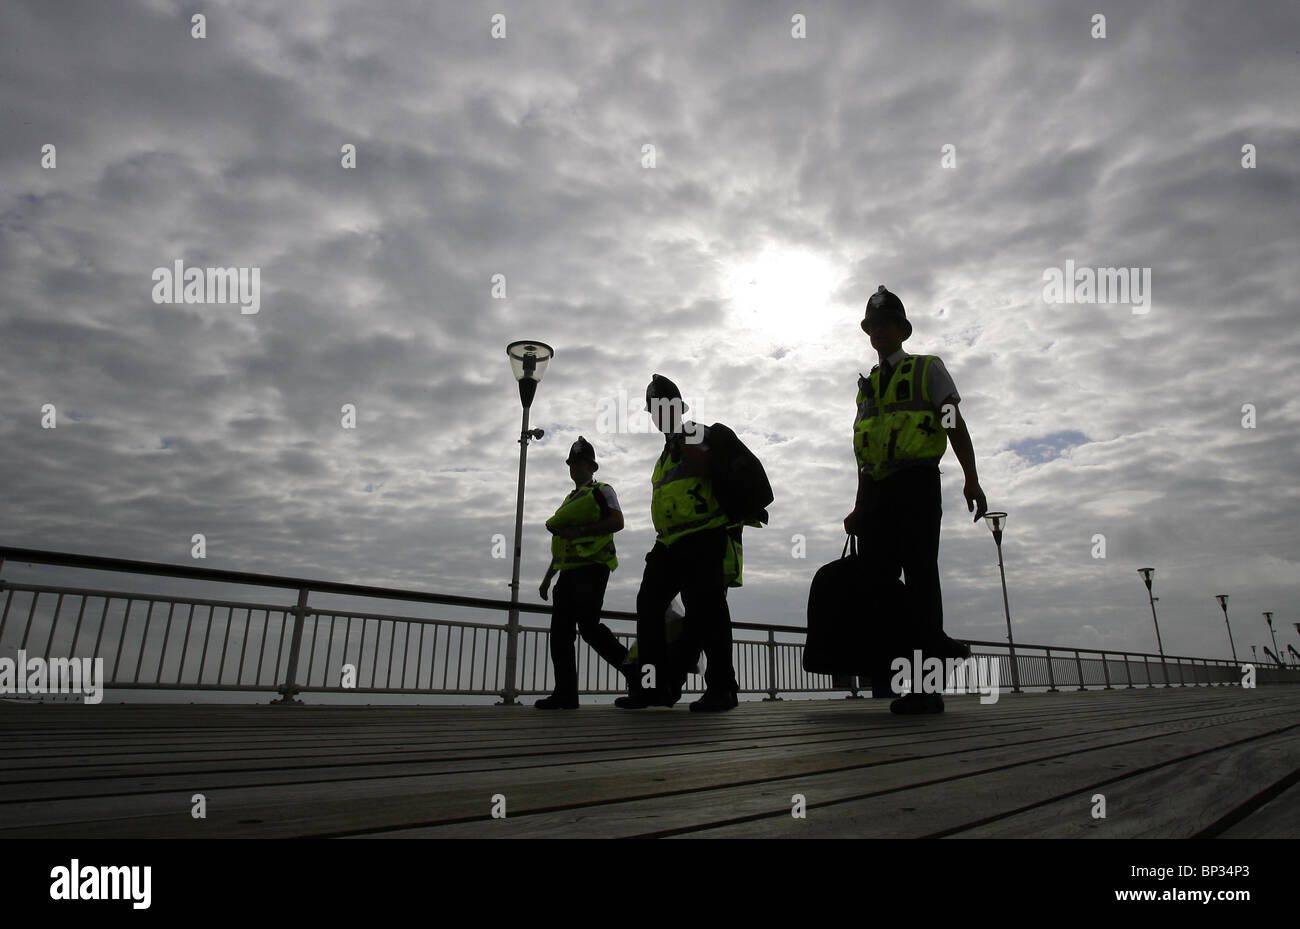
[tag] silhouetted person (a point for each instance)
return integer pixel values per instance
(582, 552)
(907, 411)
(690, 547)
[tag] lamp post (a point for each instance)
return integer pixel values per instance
(528, 361)
(1147, 574)
(996, 523)
(1277, 656)
(1254, 651)
(1223, 603)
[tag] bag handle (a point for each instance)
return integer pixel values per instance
(850, 543)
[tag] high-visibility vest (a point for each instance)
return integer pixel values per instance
(900, 429)
(681, 503)
(580, 508)
(733, 562)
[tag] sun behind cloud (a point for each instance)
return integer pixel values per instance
(781, 296)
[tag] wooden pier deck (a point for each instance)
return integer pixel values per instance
(1177, 762)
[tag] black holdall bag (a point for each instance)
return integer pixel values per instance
(853, 618)
(739, 481)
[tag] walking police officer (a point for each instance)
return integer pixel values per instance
(691, 547)
(582, 553)
(907, 412)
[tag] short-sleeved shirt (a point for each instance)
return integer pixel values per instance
(607, 496)
(938, 382)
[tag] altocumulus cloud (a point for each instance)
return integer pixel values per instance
(791, 176)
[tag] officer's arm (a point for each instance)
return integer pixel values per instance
(964, 449)
(864, 489)
(612, 522)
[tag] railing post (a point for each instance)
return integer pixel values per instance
(1078, 664)
(289, 688)
(854, 683)
(1146, 664)
(1105, 670)
(771, 667)
(1051, 675)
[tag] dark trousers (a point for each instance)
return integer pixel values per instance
(579, 595)
(902, 535)
(692, 567)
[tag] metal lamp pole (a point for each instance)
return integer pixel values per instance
(996, 523)
(1146, 577)
(1268, 615)
(1223, 602)
(528, 360)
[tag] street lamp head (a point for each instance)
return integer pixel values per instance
(1223, 601)
(528, 361)
(1146, 575)
(997, 521)
(1268, 615)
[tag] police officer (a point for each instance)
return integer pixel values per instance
(582, 553)
(691, 546)
(907, 412)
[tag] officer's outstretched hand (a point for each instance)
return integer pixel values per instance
(975, 499)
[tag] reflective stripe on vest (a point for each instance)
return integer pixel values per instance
(681, 503)
(900, 429)
(580, 508)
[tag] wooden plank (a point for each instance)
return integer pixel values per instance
(1069, 783)
(942, 788)
(1173, 801)
(936, 730)
(662, 725)
(182, 759)
(889, 737)
(1277, 819)
(668, 811)
(471, 731)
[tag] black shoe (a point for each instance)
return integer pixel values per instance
(640, 699)
(944, 646)
(917, 704)
(714, 702)
(556, 702)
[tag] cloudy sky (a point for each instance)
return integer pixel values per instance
(681, 188)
